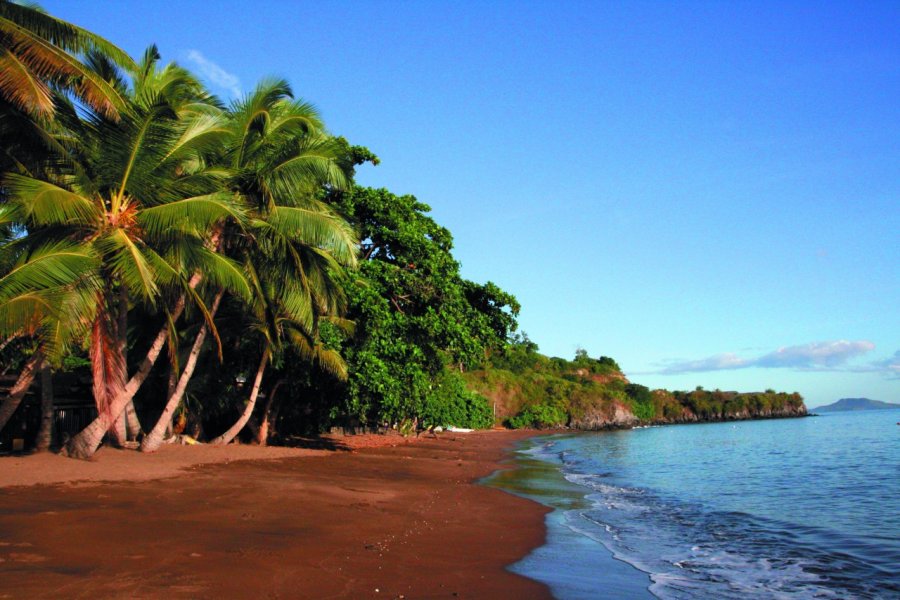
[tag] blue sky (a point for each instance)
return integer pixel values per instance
(708, 192)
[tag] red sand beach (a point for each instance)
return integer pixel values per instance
(378, 517)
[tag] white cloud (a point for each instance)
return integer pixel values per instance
(214, 74)
(820, 356)
(816, 355)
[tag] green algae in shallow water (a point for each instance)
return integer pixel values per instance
(590, 570)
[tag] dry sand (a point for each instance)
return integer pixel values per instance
(384, 518)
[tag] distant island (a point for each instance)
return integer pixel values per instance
(848, 404)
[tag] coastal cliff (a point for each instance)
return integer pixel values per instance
(620, 416)
(527, 389)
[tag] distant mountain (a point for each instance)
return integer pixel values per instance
(856, 404)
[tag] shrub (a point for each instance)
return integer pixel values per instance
(539, 416)
(449, 403)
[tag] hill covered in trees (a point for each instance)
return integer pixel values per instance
(528, 389)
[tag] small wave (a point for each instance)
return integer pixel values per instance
(764, 510)
(690, 552)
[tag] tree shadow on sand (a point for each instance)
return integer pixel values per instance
(315, 443)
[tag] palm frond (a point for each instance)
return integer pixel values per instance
(251, 116)
(23, 313)
(317, 227)
(293, 118)
(314, 163)
(50, 266)
(195, 215)
(310, 350)
(21, 87)
(62, 33)
(347, 326)
(298, 308)
(43, 203)
(53, 64)
(202, 133)
(129, 263)
(225, 273)
(71, 325)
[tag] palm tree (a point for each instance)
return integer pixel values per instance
(283, 319)
(138, 192)
(38, 53)
(279, 159)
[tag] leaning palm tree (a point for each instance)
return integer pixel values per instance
(39, 52)
(279, 159)
(138, 192)
(283, 319)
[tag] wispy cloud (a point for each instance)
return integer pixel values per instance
(719, 362)
(214, 74)
(817, 356)
(890, 366)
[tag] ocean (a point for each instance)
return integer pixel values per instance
(787, 508)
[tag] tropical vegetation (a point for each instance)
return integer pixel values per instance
(212, 270)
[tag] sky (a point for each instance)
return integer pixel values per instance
(708, 192)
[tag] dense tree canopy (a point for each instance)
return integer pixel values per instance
(415, 314)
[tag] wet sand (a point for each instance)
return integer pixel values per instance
(378, 517)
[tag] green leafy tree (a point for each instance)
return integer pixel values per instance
(415, 314)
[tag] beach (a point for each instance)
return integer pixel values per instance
(360, 516)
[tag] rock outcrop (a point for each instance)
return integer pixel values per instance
(619, 416)
(608, 416)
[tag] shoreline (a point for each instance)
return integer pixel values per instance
(571, 563)
(388, 518)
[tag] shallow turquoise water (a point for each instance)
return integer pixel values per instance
(792, 508)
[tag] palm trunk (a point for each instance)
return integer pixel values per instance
(118, 332)
(133, 424)
(108, 371)
(85, 444)
(10, 339)
(118, 432)
(235, 429)
(154, 439)
(45, 433)
(173, 383)
(262, 434)
(20, 388)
